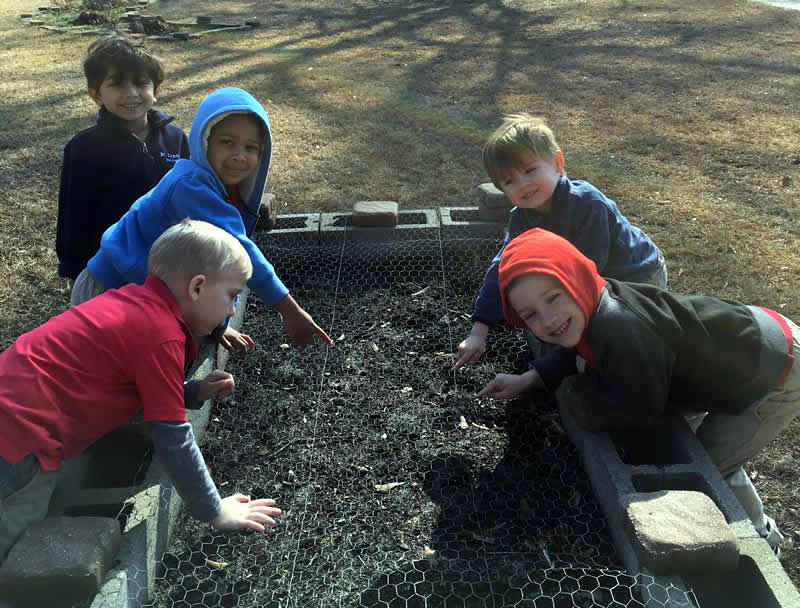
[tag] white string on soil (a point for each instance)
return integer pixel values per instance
(446, 307)
(312, 450)
(455, 389)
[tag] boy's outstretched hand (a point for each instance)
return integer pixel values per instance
(473, 347)
(240, 513)
(236, 342)
(299, 325)
(470, 350)
(217, 384)
(508, 386)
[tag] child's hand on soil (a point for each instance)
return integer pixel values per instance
(217, 384)
(508, 386)
(470, 350)
(236, 342)
(240, 513)
(298, 323)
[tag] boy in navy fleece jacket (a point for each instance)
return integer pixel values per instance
(110, 165)
(524, 160)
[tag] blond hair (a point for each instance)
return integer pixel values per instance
(520, 135)
(194, 247)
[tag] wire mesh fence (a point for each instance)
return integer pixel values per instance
(399, 488)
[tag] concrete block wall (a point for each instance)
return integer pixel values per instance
(467, 222)
(296, 228)
(450, 222)
(676, 460)
(411, 224)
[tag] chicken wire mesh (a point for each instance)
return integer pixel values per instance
(398, 487)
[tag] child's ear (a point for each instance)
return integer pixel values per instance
(196, 285)
(95, 95)
(560, 162)
(156, 92)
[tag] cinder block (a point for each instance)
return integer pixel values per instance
(674, 459)
(71, 554)
(493, 214)
(491, 196)
(758, 581)
(679, 532)
(411, 224)
(375, 213)
(291, 229)
(465, 222)
(267, 213)
(114, 592)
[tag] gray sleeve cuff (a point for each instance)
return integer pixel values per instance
(177, 451)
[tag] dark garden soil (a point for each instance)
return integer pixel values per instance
(395, 481)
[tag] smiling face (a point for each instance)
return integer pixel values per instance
(547, 309)
(234, 146)
(128, 96)
(530, 185)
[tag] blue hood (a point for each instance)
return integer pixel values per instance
(214, 108)
(192, 189)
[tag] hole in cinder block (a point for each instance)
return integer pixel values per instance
(465, 215)
(403, 219)
(744, 588)
(655, 449)
(288, 223)
(119, 459)
(120, 512)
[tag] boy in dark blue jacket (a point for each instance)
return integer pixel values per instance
(524, 160)
(108, 166)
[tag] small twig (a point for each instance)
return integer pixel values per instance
(288, 443)
(422, 291)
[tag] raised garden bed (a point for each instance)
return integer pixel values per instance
(399, 487)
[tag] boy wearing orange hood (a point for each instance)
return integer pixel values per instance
(647, 351)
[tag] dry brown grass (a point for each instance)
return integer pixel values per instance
(687, 115)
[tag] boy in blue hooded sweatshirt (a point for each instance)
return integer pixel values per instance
(222, 183)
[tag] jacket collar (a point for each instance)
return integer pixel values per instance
(155, 119)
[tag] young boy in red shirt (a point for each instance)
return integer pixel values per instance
(648, 352)
(88, 370)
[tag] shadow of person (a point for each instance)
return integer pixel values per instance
(526, 528)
